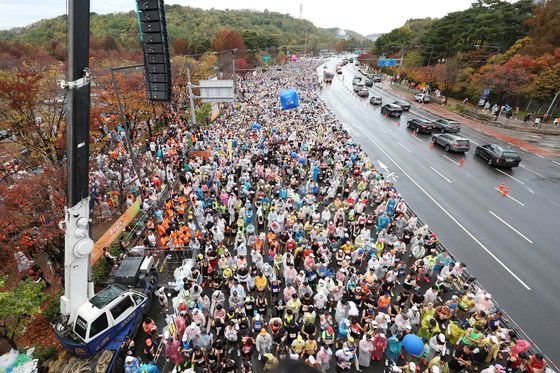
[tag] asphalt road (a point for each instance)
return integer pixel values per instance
(510, 244)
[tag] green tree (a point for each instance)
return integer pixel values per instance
(17, 306)
(203, 114)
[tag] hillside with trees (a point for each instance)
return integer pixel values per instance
(513, 48)
(195, 26)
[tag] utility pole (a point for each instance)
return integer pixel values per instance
(400, 65)
(127, 142)
(78, 245)
(191, 97)
(305, 47)
(548, 112)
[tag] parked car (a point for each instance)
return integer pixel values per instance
(339, 70)
(376, 100)
(376, 79)
(391, 110)
(363, 92)
(496, 155)
(451, 142)
(422, 98)
(5, 134)
(357, 87)
(369, 83)
(420, 125)
(447, 125)
(405, 105)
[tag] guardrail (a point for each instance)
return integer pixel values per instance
(468, 278)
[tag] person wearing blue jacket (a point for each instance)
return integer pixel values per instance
(394, 347)
(383, 221)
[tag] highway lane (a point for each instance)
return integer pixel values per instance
(509, 244)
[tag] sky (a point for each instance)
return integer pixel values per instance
(363, 16)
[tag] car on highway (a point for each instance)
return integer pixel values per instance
(497, 155)
(339, 69)
(376, 100)
(376, 79)
(405, 105)
(422, 98)
(351, 60)
(447, 125)
(452, 142)
(420, 125)
(357, 87)
(391, 110)
(369, 83)
(344, 62)
(5, 134)
(363, 92)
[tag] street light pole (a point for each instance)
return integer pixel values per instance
(191, 97)
(552, 103)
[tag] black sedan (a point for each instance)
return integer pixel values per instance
(496, 155)
(420, 125)
(369, 83)
(447, 125)
(404, 104)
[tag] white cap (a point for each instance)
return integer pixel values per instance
(129, 359)
(488, 296)
(435, 369)
(441, 337)
(412, 366)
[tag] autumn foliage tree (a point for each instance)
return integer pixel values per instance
(227, 39)
(32, 107)
(30, 209)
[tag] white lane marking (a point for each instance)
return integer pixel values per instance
(440, 174)
(474, 142)
(508, 175)
(524, 149)
(521, 203)
(528, 169)
(555, 162)
(472, 236)
(451, 159)
(407, 149)
(382, 165)
(538, 155)
(416, 138)
(510, 227)
(383, 129)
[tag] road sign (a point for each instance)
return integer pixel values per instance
(386, 62)
(216, 91)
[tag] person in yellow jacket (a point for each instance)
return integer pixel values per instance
(261, 282)
(298, 346)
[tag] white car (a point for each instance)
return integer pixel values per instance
(422, 98)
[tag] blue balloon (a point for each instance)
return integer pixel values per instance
(274, 130)
(293, 155)
(256, 126)
(413, 344)
(301, 160)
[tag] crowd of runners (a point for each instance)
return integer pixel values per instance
(304, 251)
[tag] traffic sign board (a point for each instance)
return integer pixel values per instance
(384, 62)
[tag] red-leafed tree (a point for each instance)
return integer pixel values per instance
(32, 107)
(181, 46)
(227, 39)
(30, 209)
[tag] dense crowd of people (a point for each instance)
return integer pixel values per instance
(302, 250)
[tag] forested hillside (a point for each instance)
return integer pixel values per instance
(513, 48)
(197, 26)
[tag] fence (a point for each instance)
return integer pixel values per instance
(468, 278)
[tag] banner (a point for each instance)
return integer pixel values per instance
(116, 229)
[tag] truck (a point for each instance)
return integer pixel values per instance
(328, 76)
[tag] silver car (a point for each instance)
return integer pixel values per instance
(422, 98)
(451, 142)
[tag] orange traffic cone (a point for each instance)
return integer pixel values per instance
(505, 192)
(413, 133)
(431, 146)
(461, 162)
(386, 116)
(398, 123)
(501, 187)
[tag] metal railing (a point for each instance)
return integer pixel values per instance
(467, 277)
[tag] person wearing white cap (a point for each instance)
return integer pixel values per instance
(437, 346)
(365, 348)
(494, 369)
(131, 364)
